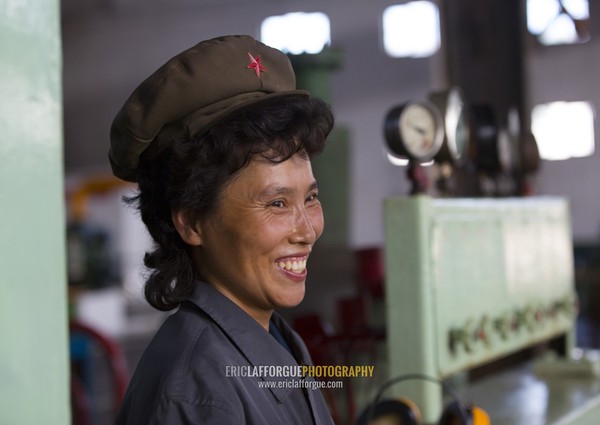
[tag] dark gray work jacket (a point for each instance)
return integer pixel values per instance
(184, 376)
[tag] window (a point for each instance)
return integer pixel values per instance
(411, 29)
(563, 129)
(558, 21)
(297, 32)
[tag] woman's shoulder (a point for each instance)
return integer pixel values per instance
(190, 337)
(184, 365)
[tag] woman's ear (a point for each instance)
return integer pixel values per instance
(191, 235)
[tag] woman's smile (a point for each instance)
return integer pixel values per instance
(293, 267)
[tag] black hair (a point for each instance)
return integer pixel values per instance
(190, 175)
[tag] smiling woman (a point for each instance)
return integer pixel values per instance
(220, 142)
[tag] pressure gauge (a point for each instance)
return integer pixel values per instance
(453, 108)
(494, 153)
(414, 130)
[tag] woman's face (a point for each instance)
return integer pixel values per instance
(255, 246)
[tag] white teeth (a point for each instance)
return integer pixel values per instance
(296, 266)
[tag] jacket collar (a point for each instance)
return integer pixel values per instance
(256, 344)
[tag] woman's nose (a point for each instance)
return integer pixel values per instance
(307, 226)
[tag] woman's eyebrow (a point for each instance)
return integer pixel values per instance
(314, 186)
(275, 190)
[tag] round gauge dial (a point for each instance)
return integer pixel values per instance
(456, 125)
(414, 130)
(493, 149)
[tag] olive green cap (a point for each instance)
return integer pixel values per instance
(192, 92)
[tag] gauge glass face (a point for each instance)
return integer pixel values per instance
(418, 128)
(462, 135)
(456, 125)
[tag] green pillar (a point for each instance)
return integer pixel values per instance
(313, 71)
(34, 358)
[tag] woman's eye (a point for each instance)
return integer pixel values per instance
(312, 197)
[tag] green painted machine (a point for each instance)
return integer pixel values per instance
(469, 281)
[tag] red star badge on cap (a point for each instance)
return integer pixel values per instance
(255, 64)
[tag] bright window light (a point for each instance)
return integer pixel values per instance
(554, 25)
(411, 29)
(560, 31)
(563, 130)
(297, 32)
(540, 13)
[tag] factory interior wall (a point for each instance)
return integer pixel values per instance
(34, 372)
